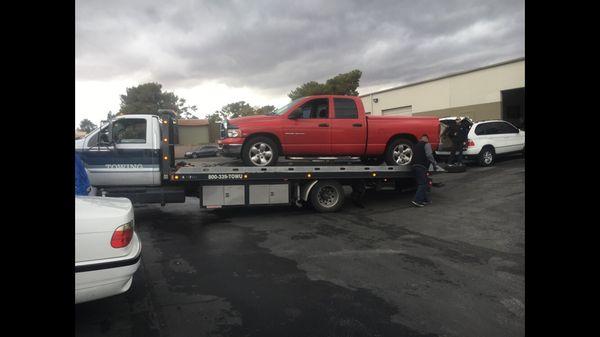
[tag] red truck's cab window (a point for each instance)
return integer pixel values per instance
(348, 128)
(317, 108)
(345, 108)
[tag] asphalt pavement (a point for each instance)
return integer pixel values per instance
(452, 268)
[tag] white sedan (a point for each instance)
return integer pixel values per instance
(107, 249)
(486, 140)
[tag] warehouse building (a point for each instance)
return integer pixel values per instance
(492, 92)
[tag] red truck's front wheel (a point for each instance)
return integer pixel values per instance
(260, 151)
(399, 152)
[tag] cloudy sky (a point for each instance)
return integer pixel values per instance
(216, 52)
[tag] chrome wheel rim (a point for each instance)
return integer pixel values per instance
(402, 154)
(328, 196)
(487, 157)
(261, 154)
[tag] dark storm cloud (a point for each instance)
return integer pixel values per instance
(272, 45)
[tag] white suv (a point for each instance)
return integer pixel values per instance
(486, 140)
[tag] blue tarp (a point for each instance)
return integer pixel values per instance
(82, 183)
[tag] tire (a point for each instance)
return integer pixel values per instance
(327, 196)
(195, 156)
(260, 152)
(404, 148)
(372, 161)
(487, 156)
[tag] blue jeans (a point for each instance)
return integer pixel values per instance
(421, 178)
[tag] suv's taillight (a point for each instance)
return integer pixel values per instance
(470, 143)
(122, 235)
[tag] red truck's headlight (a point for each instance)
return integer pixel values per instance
(234, 133)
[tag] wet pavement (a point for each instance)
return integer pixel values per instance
(453, 268)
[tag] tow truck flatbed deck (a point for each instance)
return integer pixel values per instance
(290, 172)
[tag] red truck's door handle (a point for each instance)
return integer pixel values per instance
(323, 125)
(357, 125)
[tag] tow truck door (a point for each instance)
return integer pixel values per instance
(131, 160)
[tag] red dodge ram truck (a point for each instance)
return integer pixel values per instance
(325, 125)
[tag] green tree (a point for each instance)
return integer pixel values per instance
(232, 110)
(342, 84)
(308, 89)
(263, 110)
(186, 111)
(147, 98)
(87, 126)
(109, 116)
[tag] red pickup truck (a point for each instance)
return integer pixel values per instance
(325, 126)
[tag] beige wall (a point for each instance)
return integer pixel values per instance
(477, 112)
(454, 93)
(193, 135)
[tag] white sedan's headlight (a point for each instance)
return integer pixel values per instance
(234, 133)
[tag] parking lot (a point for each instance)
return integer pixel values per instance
(453, 268)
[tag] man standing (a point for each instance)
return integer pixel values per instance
(423, 157)
(458, 134)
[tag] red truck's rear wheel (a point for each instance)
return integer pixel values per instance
(399, 152)
(260, 151)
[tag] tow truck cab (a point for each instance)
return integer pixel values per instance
(126, 150)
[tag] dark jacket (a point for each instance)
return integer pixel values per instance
(463, 130)
(423, 155)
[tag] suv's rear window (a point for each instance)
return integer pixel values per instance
(495, 128)
(484, 129)
(504, 127)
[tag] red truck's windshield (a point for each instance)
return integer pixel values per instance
(284, 108)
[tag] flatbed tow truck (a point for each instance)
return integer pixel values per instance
(320, 185)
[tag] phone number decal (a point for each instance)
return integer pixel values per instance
(224, 176)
